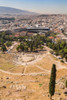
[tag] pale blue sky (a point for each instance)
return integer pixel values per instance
(40, 6)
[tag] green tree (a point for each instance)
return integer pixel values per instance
(66, 84)
(8, 43)
(52, 81)
(66, 57)
(3, 48)
(20, 47)
(31, 46)
(26, 48)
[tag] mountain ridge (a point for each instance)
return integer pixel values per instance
(10, 10)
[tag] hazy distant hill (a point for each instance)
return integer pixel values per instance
(9, 10)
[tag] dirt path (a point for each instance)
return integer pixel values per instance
(9, 51)
(43, 69)
(20, 74)
(33, 74)
(37, 58)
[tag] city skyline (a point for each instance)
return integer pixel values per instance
(38, 6)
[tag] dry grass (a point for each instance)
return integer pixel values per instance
(5, 62)
(37, 87)
(32, 69)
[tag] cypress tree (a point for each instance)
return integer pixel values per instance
(66, 84)
(52, 81)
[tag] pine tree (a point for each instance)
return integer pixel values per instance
(52, 81)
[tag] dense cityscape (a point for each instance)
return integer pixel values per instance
(56, 23)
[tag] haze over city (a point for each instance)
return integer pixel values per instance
(39, 6)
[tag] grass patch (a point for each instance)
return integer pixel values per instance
(40, 85)
(6, 66)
